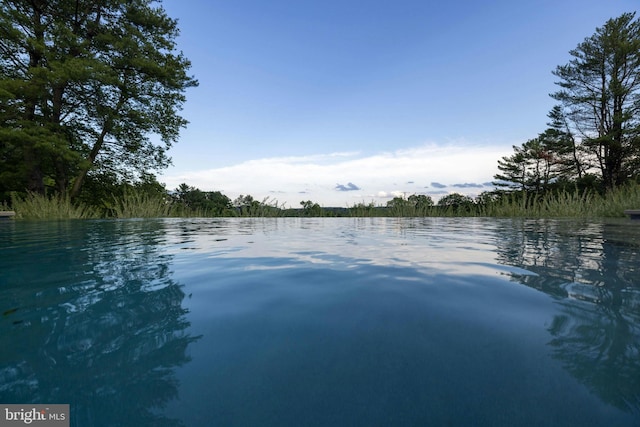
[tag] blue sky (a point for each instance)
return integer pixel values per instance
(349, 101)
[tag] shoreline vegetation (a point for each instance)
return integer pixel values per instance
(76, 126)
(138, 203)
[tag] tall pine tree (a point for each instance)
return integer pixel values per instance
(83, 86)
(600, 97)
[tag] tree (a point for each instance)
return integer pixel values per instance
(310, 208)
(570, 152)
(420, 201)
(414, 201)
(545, 161)
(414, 205)
(84, 84)
(247, 205)
(540, 163)
(513, 170)
(456, 201)
(600, 97)
(398, 203)
(488, 197)
(203, 202)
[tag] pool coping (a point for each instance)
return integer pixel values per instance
(633, 213)
(7, 214)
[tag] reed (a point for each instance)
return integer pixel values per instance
(364, 210)
(38, 206)
(569, 205)
(614, 203)
(565, 204)
(182, 212)
(137, 204)
(268, 208)
(411, 211)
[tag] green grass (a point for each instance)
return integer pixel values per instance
(364, 210)
(268, 208)
(565, 205)
(410, 211)
(137, 204)
(36, 206)
(615, 203)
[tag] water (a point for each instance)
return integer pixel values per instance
(290, 322)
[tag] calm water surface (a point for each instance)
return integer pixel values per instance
(345, 321)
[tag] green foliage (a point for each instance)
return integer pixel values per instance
(487, 197)
(537, 164)
(420, 201)
(593, 141)
(191, 201)
(455, 199)
(82, 86)
(564, 204)
(101, 191)
(415, 205)
(310, 208)
(139, 204)
(143, 199)
(248, 207)
(457, 204)
(614, 203)
(599, 93)
(38, 206)
(513, 170)
(364, 210)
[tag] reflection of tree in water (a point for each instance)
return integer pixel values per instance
(594, 271)
(602, 350)
(109, 344)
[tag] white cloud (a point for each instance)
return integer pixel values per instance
(378, 177)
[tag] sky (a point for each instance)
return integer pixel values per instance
(350, 101)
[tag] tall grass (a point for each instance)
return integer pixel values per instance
(616, 202)
(137, 204)
(410, 211)
(268, 208)
(364, 210)
(38, 206)
(565, 204)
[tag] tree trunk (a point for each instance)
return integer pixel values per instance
(95, 150)
(97, 146)
(34, 174)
